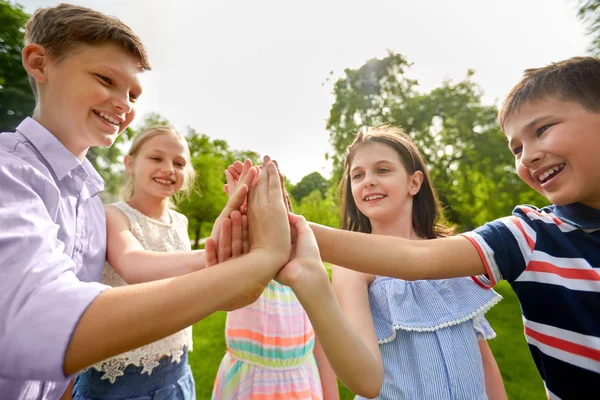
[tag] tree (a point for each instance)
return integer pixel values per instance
(308, 184)
(589, 13)
(16, 97)
(464, 149)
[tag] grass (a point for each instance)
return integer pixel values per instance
(521, 378)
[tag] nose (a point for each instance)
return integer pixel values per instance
(530, 156)
(370, 180)
(167, 166)
(122, 102)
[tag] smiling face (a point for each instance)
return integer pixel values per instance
(557, 145)
(381, 187)
(159, 166)
(87, 98)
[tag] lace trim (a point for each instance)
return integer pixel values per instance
(114, 367)
(480, 311)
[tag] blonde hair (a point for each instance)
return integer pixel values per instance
(62, 29)
(128, 188)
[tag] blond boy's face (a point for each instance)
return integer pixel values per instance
(556, 145)
(88, 97)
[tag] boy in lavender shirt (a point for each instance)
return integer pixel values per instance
(55, 319)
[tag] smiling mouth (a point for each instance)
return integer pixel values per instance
(550, 173)
(375, 197)
(107, 118)
(163, 181)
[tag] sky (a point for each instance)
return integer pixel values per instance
(255, 73)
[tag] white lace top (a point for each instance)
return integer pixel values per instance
(156, 236)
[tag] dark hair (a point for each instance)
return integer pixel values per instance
(62, 29)
(426, 209)
(576, 79)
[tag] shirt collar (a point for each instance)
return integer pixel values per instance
(59, 159)
(577, 214)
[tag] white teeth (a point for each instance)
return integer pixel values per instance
(109, 118)
(379, 196)
(163, 181)
(549, 172)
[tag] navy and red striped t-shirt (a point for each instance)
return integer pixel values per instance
(551, 258)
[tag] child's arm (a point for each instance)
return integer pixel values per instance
(45, 309)
(356, 362)
(326, 373)
(137, 265)
(494, 386)
(397, 257)
(124, 318)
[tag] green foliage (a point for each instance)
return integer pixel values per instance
(308, 184)
(316, 208)
(466, 153)
(16, 98)
(589, 13)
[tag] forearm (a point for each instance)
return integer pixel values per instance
(326, 373)
(397, 257)
(140, 266)
(125, 318)
(494, 385)
(358, 369)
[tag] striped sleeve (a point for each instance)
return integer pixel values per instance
(505, 246)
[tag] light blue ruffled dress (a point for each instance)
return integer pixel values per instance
(428, 335)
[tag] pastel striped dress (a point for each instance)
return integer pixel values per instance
(269, 351)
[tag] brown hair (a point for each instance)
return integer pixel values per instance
(426, 209)
(128, 190)
(575, 79)
(64, 28)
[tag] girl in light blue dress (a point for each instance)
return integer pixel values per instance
(431, 334)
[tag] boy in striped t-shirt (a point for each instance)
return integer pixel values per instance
(550, 256)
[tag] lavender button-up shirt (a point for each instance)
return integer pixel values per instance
(52, 251)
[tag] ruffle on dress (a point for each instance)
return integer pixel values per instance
(428, 305)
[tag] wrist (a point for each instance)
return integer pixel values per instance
(312, 281)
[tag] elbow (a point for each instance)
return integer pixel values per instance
(370, 386)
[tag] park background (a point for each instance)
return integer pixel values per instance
(315, 74)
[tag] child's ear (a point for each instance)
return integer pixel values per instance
(35, 61)
(128, 161)
(416, 180)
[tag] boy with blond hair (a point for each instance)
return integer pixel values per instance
(55, 319)
(550, 256)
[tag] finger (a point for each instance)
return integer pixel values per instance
(248, 176)
(226, 188)
(238, 198)
(210, 256)
(236, 234)
(239, 166)
(224, 246)
(245, 236)
(234, 173)
(245, 169)
(274, 184)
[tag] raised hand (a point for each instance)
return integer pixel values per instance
(305, 266)
(237, 190)
(268, 224)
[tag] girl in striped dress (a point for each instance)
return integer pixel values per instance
(431, 334)
(272, 350)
